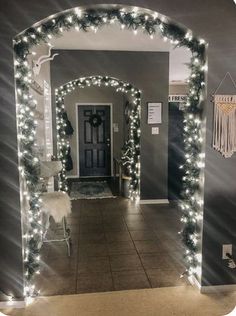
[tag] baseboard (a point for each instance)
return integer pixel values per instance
(12, 304)
(194, 282)
(211, 288)
(158, 201)
(218, 288)
(72, 177)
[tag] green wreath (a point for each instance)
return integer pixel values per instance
(95, 120)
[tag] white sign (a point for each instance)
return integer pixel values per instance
(154, 113)
(177, 98)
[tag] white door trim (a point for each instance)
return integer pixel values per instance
(77, 131)
(157, 201)
(218, 288)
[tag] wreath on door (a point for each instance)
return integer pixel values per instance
(95, 120)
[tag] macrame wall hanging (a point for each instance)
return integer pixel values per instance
(224, 134)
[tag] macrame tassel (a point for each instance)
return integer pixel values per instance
(224, 135)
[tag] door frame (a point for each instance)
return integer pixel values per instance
(77, 134)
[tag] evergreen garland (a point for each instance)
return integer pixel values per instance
(68, 128)
(69, 162)
(86, 20)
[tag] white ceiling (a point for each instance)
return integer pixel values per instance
(112, 37)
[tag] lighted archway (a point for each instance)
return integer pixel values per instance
(131, 156)
(86, 19)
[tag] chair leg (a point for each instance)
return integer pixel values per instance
(67, 237)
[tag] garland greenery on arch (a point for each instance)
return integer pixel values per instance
(131, 157)
(92, 19)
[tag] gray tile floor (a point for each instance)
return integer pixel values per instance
(116, 245)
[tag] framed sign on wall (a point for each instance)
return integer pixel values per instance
(154, 112)
(177, 98)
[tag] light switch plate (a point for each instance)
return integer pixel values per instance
(155, 130)
(227, 248)
(115, 127)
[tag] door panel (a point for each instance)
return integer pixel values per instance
(101, 133)
(101, 158)
(94, 141)
(88, 158)
(88, 132)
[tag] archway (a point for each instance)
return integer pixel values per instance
(87, 19)
(131, 156)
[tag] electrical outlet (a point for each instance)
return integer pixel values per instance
(226, 249)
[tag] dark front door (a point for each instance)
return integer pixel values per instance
(94, 140)
(175, 151)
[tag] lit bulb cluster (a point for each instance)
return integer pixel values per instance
(131, 151)
(29, 169)
(192, 195)
(131, 157)
(135, 20)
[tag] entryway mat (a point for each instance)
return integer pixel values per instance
(90, 190)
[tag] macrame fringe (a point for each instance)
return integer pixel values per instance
(224, 98)
(224, 135)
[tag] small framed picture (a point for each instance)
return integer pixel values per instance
(154, 113)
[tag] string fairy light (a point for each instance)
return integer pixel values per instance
(136, 20)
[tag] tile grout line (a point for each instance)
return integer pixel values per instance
(77, 268)
(77, 261)
(173, 268)
(102, 214)
(137, 251)
(109, 259)
(156, 235)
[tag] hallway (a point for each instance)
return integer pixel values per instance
(116, 245)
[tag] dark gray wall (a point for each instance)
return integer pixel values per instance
(148, 71)
(220, 199)
(202, 17)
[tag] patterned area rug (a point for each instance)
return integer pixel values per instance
(90, 190)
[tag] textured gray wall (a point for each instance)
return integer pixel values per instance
(220, 202)
(214, 20)
(148, 71)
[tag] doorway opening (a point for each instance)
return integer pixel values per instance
(94, 135)
(92, 19)
(95, 146)
(130, 151)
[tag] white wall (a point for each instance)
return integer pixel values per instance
(44, 75)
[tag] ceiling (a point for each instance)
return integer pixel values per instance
(112, 37)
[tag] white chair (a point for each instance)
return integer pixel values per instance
(55, 204)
